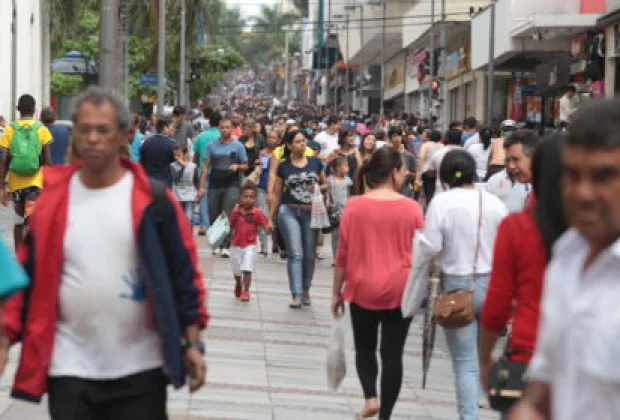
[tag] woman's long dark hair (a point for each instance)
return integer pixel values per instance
(546, 174)
(486, 135)
(288, 140)
(379, 168)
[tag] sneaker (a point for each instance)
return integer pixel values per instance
(305, 299)
(238, 290)
(202, 231)
(215, 252)
(245, 297)
(295, 304)
(225, 253)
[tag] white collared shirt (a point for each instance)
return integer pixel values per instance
(578, 346)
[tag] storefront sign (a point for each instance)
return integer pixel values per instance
(456, 63)
(394, 76)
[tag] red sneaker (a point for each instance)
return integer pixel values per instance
(245, 297)
(238, 290)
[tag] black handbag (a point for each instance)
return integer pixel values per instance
(334, 213)
(506, 383)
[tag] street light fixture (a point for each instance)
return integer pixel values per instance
(347, 77)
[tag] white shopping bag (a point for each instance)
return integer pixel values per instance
(336, 362)
(319, 219)
(218, 232)
(416, 289)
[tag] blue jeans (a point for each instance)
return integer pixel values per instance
(300, 240)
(204, 208)
(463, 345)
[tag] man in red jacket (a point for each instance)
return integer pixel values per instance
(116, 304)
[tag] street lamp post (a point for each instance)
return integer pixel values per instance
(182, 56)
(161, 57)
(361, 29)
(382, 109)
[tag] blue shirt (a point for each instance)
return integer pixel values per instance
(298, 181)
(221, 156)
(59, 146)
(135, 146)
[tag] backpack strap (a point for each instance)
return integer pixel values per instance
(160, 200)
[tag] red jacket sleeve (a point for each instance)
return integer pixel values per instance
(12, 309)
(498, 304)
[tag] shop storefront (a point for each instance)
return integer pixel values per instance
(584, 70)
(610, 24)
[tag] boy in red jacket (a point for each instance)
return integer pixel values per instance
(245, 220)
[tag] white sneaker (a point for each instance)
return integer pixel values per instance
(225, 253)
(215, 252)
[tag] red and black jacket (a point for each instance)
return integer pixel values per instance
(167, 255)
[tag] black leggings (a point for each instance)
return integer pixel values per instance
(428, 185)
(394, 330)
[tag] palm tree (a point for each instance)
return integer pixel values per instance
(269, 29)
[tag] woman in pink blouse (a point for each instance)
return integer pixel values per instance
(372, 266)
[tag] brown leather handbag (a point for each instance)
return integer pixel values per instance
(456, 309)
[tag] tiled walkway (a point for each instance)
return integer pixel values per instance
(266, 361)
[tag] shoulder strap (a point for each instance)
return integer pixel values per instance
(478, 234)
(160, 200)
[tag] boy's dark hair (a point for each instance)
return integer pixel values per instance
(26, 105)
(250, 187)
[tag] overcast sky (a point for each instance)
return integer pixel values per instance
(250, 7)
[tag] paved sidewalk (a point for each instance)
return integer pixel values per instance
(266, 361)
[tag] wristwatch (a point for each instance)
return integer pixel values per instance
(198, 345)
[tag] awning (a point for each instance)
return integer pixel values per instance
(609, 19)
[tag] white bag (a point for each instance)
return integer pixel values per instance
(416, 289)
(319, 219)
(336, 362)
(218, 231)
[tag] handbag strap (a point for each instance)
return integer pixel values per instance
(478, 235)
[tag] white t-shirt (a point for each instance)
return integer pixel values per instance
(106, 329)
(451, 230)
(328, 142)
(513, 194)
(481, 157)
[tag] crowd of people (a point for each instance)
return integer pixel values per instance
(527, 227)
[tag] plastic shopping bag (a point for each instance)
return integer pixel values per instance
(13, 277)
(336, 362)
(218, 231)
(319, 219)
(416, 289)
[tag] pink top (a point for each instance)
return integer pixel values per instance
(376, 239)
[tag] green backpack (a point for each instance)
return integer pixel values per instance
(25, 149)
